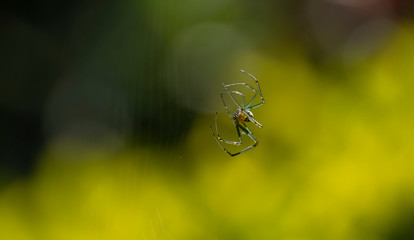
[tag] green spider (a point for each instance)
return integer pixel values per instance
(242, 115)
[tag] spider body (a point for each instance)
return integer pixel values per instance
(242, 115)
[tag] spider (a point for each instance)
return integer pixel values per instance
(242, 115)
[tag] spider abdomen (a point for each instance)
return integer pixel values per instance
(241, 116)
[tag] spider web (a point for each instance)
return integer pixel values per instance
(131, 77)
(106, 106)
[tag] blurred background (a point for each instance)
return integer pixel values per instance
(106, 107)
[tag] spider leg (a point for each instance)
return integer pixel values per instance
(232, 97)
(230, 93)
(221, 145)
(231, 154)
(217, 135)
(219, 139)
(247, 131)
(254, 121)
(225, 105)
(251, 88)
(260, 91)
(243, 97)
